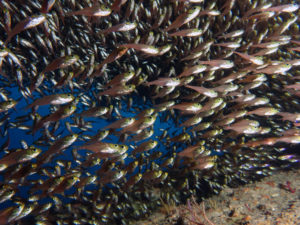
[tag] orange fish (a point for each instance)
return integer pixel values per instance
(124, 122)
(116, 6)
(283, 8)
(253, 59)
(224, 64)
(296, 49)
(28, 23)
(126, 26)
(205, 91)
(285, 25)
(258, 101)
(189, 151)
(253, 78)
(94, 112)
(266, 141)
(193, 32)
(193, 70)
(231, 77)
(184, 18)
(197, 52)
(243, 128)
(192, 121)
(272, 44)
(294, 86)
(114, 55)
(293, 62)
(169, 82)
(188, 107)
(144, 134)
(295, 42)
(212, 104)
(145, 146)
(209, 13)
(163, 92)
(293, 117)
(295, 139)
(226, 88)
(56, 99)
(47, 5)
(18, 156)
(64, 80)
(147, 49)
(138, 124)
(120, 79)
(227, 6)
(281, 69)
(96, 10)
(261, 16)
(66, 184)
(59, 114)
(58, 63)
(257, 9)
(61, 62)
(118, 90)
(102, 147)
(266, 51)
(232, 45)
(232, 34)
(283, 38)
(264, 111)
(57, 147)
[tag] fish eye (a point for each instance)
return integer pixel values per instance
(19, 206)
(192, 10)
(105, 7)
(116, 145)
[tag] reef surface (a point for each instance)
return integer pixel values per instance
(273, 200)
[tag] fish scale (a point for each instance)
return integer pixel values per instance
(232, 76)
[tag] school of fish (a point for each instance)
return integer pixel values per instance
(110, 109)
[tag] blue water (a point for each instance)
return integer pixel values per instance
(16, 135)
